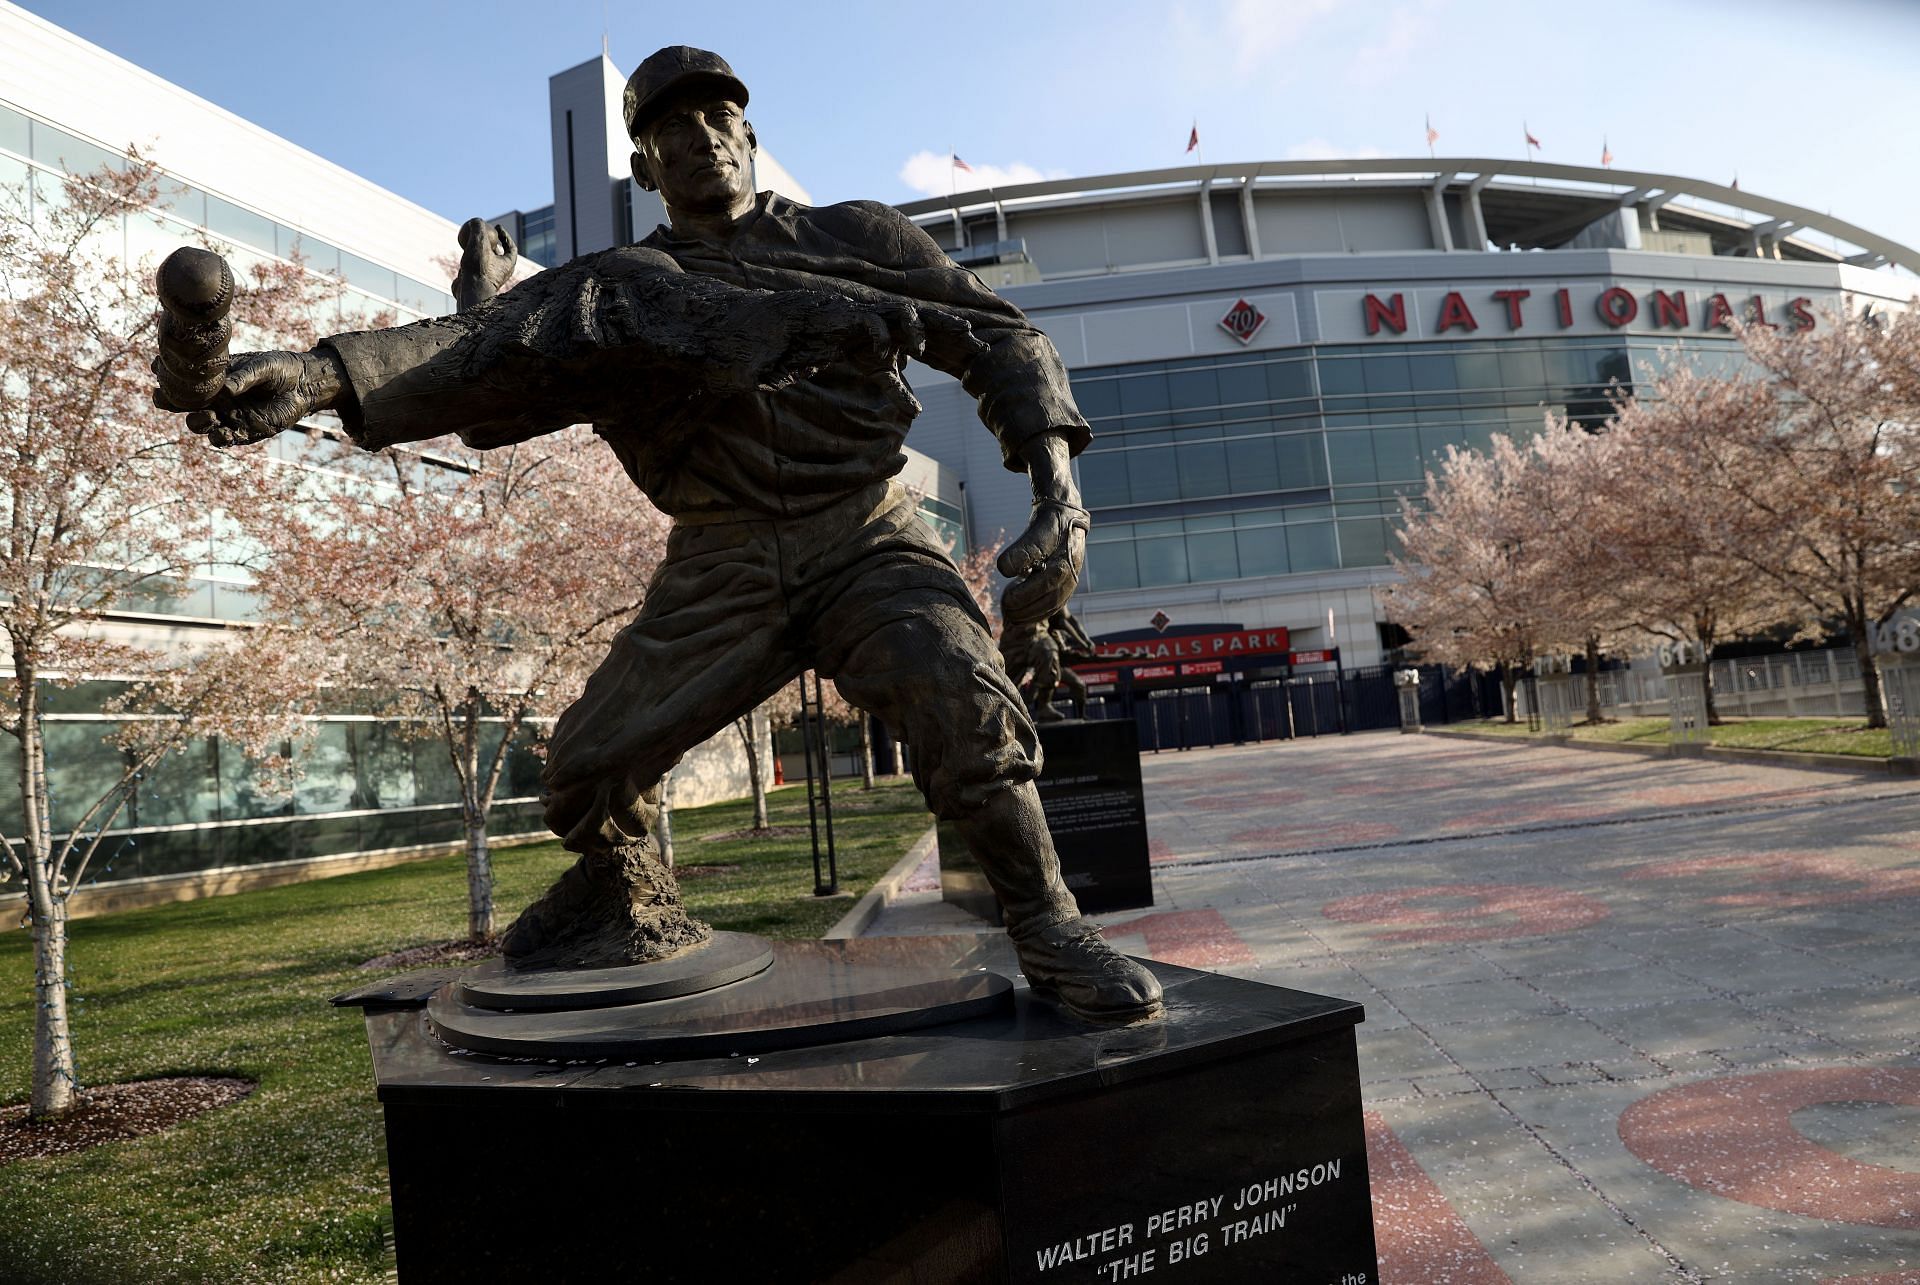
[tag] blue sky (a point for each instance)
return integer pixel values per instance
(446, 103)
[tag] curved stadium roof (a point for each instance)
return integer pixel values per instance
(1520, 204)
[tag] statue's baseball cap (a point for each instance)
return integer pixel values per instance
(667, 72)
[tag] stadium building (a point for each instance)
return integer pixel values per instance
(1272, 354)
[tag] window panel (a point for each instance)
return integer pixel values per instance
(1477, 370)
(1431, 371)
(1097, 398)
(1262, 550)
(1162, 561)
(1287, 380)
(14, 132)
(1103, 479)
(1338, 378)
(58, 148)
(1153, 474)
(1187, 389)
(1303, 460)
(182, 788)
(1310, 547)
(1396, 454)
(1142, 393)
(1386, 374)
(1436, 438)
(1211, 556)
(228, 220)
(1203, 469)
(1521, 367)
(1242, 384)
(1252, 465)
(1351, 456)
(1363, 542)
(1111, 566)
(368, 276)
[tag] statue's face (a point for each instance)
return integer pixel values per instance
(698, 155)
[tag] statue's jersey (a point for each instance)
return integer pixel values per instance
(682, 354)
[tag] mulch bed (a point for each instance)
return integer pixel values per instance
(458, 951)
(115, 1113)
(771, 832)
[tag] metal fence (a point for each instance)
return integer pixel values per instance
(1782, 684)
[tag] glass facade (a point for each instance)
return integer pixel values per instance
(1222, 468)
(947, 522)
(537, 239)
(33, 153)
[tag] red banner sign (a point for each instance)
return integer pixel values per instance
(1156, 671)
(1309, 657)
(1204, 667)
(1236, 642)
(1098, 675)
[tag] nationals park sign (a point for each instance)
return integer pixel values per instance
(1642, 307)
(1195, 647)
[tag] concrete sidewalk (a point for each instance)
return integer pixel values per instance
(1628, 1020)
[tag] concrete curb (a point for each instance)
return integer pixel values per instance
(1720, 753)
(882, 894)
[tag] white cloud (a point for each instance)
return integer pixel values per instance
(933, 174)
(1259, 29)
(1319, 149)
(1407, 29)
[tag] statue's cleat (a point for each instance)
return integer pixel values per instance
(1071, 962)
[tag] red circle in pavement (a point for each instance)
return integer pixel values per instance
(1734, 1137)
(1790, 880)
(1494, 910)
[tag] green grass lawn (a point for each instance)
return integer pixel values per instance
(1850, 736)
(288, 1186)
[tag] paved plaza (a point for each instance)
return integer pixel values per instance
(1628, 1019)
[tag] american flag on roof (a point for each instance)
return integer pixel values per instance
(1433, 135)
(1193, 137)
(960, 164)
(1606, 153)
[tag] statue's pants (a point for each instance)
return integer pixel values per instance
(861, 591)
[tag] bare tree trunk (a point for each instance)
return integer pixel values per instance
(748, 729)
(55, 1078)
(866, 751)
(1594, 714)
(663, 833)
(1869, 676)
(479, 875)
(1509, 682)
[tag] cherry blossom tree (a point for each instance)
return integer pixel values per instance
(473, 596)
(1666, 522)
(107, 504)
(1473, 589)
(1824, 490)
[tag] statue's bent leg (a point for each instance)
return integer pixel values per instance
(706, 649)
(921, 660)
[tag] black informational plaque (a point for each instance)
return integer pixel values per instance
(1096, 808)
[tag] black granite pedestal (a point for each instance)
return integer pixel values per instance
(1096, 810)
(1222, 1142)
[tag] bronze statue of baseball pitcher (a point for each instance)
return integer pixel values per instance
(744, 363)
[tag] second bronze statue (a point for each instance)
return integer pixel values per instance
(746, 364)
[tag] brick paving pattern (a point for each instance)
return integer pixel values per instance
(1628, 1020)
